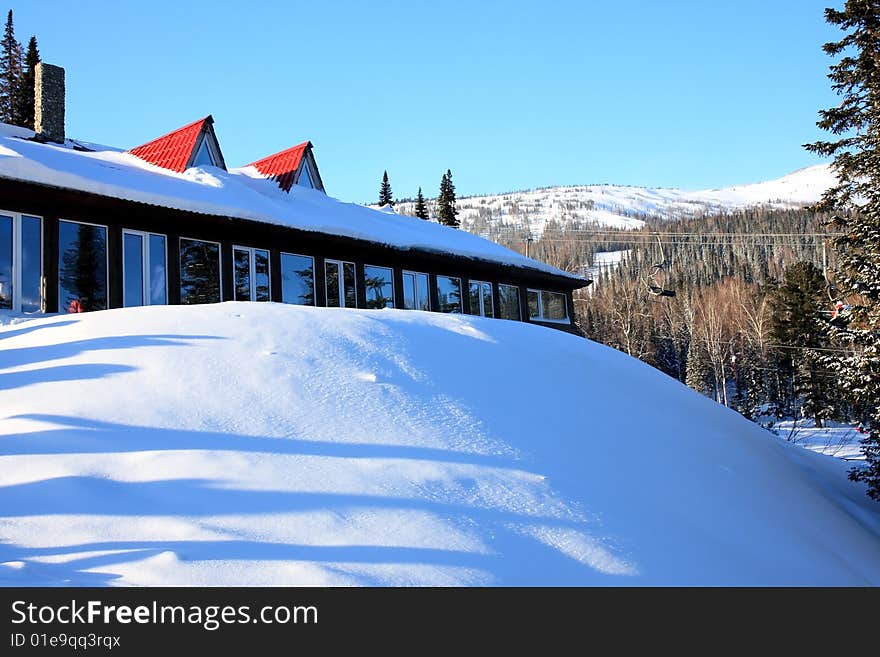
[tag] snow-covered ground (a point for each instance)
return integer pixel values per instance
(834, 439)
(604, 262)
(263, 444)
(618, 206)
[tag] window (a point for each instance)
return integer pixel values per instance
(547, 306)
(199, 271)
(340, 284)
(305, 179)
(21, 262)
(416, 295)
(481, 298)
(449, 294)
(508, 302)
(82, 267)
(251, 274)
(379, 287)
(205, 156)
(297, 279)
(143, 269)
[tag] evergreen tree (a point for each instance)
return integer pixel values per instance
(10, 72)
(855, 125)
(25, 113)
(385, 197)
(697, 369)
(421, 209)
(797, 326)
(447, 213)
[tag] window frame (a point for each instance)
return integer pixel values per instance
(341, 281)
(145, 265)
(519, 309)
(252, 270)
(416, 275)
(460, 289)
(16, 260)
(106, 258)
(219, 264)
(481, 311)
(314, 281)
(393, 296)
(540, 317)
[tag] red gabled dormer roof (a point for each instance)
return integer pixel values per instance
(177, 149)
(283, 166)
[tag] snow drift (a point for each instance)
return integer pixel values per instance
(261, 444)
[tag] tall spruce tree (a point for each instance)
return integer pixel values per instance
(421, 210)
(10, 72)
(855, 204)
(447, 213)
(798, 327)
(25, 112)
(385, 197)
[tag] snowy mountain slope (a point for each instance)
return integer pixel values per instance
(265, 444)
(618, 206)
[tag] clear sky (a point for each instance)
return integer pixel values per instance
(509, 95)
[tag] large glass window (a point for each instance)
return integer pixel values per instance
(547, 306)
(199, 271)
(6, 228)
(379, 287)
(251, 268)
(481, 298)
(508, 302)
(82, 267)
(340, 284)
(143, 267)
(416, 295)
(31, 286)
(21, 262)
(297, 279)
(449, 294)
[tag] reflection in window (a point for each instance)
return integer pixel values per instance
(31, 264)
(340, 284)
(480, 294)
(133, 269)
(304, 178)
(82, 267)
(508, 301)
(251, 274)
(143, 268)
(6, 261)
(261, 275)
(448, 294)
(379, 287)
(553, 306)
(242, 262)
(297, 279)
(416, 295)
(157, 284)
(199, 271)
(547, 306)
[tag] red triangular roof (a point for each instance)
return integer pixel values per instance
(174, 150)
(283, 166)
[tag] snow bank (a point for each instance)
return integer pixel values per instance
(240, 193)
(265, 444)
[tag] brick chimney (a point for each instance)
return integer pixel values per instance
(49, 103)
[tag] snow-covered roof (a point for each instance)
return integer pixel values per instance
(241, 193)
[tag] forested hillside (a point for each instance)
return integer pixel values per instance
(748, 321)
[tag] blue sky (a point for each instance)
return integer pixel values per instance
(509, 95)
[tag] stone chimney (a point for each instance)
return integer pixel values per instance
(49, 103)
